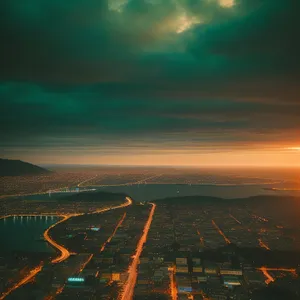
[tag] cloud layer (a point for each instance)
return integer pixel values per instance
(98, 77)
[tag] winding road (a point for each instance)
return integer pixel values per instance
(64, 253)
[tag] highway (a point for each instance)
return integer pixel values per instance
(128, 290)
(87, 180)
(26, 279)
(235, 219)
(221, 232)
(85, 263)
(127, 203)
(64, 253)
(58, 291)
(262, 244)
(173, 287)
(112, 235)
(270, 278)
(280, 269)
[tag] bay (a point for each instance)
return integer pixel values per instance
(25, 233)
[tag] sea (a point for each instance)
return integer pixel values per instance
(25, 234)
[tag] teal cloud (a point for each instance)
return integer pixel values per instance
(74, 71)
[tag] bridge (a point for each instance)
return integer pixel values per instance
(42, 215)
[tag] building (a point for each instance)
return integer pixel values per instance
(231, 281)
(234, 272)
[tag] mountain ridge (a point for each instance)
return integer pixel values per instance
(10, 167)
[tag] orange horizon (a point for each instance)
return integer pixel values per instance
(282, 157)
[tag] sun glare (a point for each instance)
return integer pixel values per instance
(185, 23)
(293, 148)
(226, 3)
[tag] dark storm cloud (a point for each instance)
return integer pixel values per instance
(263, 43)
(85, 42)
(33, 115)
(74, 70)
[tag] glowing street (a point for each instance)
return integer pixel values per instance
(127, 293)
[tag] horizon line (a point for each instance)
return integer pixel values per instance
(170, 166)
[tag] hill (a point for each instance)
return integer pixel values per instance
(10, 167)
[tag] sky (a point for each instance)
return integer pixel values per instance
(150, 82)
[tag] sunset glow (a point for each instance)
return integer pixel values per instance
(169, 157)
(293, 148)
(151, 83)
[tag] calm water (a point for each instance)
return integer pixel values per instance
(25, 233)
(147, 192)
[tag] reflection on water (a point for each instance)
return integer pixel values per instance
(25, 233)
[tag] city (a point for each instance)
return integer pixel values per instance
(149, 150)
(109, 246)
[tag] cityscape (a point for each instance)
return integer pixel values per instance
(104, 244)
(149, 150)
